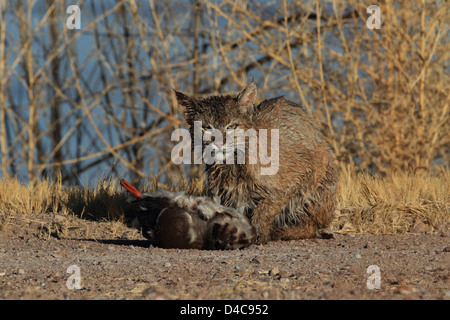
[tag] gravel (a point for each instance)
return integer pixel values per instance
(411, 266)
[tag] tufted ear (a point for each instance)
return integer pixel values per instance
(188, 104)
(246, 99)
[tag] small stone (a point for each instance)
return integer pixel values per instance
(21, 271)
(440, 227)
(274, 271)
(255, 260)
(405, 290)
(59, 218)
(419, 227)
(393, 281)
(446, 249)
(126, 235)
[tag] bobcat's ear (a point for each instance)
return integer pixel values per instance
(187, 104)
(246, 99)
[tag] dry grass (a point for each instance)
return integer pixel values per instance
(52, 197)
(392, 204)
(367, 203)
(41, 202)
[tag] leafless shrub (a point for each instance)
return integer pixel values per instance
(100, 98)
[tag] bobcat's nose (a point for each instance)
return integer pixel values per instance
(219, 144)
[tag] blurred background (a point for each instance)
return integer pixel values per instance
(81, 104)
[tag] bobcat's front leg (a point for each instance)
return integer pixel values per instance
(264, 215)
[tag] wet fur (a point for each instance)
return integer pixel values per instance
(299, 200)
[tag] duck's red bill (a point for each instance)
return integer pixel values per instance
(131, 189)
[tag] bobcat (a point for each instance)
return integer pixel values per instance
(296, 202)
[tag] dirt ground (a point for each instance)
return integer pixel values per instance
(39, 262)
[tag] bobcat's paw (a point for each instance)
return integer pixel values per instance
(262, 233)
(230, 232)
(262, 238)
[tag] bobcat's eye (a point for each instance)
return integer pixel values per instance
(208, 127)
(232, 127)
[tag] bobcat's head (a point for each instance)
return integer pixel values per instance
(219, 116)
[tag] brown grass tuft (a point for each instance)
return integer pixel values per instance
(392, 204)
